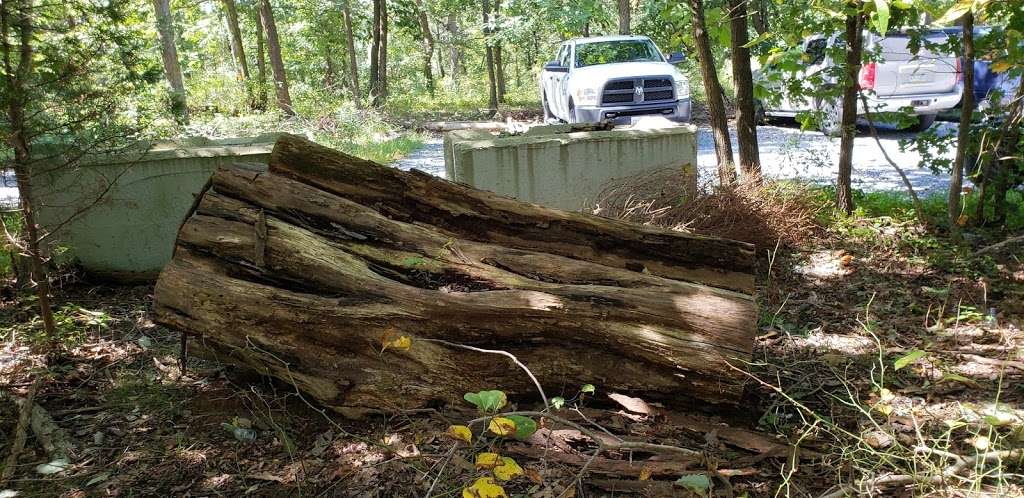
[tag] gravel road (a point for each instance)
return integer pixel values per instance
(786, 152)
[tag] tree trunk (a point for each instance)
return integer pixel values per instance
(261, 66)
(854, 49)
(16, 79)
(330, 73)
(307, 271)
(237, 48)
(499, 63)
(746, 121)
(713, 89)
(624, 16)
(428, 45)
(284, 98)
(169, 54)
(956, 179)
(375, 54)
(760, 17)
(492, 83)
(350, 47)
(453, 49)
(382, 64)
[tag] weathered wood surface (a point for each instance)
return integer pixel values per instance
(302, 271)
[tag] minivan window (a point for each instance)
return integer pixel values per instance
(611, 52)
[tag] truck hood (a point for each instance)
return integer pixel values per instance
(624, 70)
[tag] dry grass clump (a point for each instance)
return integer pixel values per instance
(769, 215)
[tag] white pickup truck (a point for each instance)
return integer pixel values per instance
(613, 78)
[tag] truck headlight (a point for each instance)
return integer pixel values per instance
(585, 96)
(682, 89)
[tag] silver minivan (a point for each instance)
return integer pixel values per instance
(927, 83)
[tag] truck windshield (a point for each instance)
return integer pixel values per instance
(610, 52)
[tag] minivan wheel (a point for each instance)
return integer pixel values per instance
(924, 121)
(831, 123)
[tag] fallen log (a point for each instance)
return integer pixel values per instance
(303, 272)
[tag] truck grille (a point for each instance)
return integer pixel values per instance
(636, 91)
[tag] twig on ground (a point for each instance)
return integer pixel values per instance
(21, 430)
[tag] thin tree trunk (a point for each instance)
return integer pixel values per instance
(330, 73)
(854, 49)
(382, 64)
(453, 49)
(261, 66)
(350, 46)
(284, 99)
(746, 125)
(169, 54)
(624, 16)
(492, 84)
(713, 89)
(760, 17)
(499, 63)
(428, 45)
(375, 54)
(991, 165)
(16, 78)
(237, 48)
(964, 132)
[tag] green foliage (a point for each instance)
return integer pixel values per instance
(487, 401)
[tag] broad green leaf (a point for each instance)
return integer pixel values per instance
(760, 38)
(698, 483)
(502, 426)
(487, 401)
(909, 358)
(882, 15)
(525, 426)
(557, 402)
(588, 388)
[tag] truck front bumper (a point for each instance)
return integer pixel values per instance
(921, 104)
(676, 111)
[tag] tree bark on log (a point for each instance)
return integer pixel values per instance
(303, 272)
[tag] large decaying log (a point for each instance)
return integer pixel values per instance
(303, 271)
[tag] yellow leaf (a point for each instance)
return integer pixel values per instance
(487, 461)
(1001, 67)
(502, 426)
(460, 432)
(484, 487)
(645, 473)
(508, 469)
(389, 341)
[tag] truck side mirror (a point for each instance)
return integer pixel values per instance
(555, 67)
(676, 57)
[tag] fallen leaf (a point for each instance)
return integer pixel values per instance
(389, 341)
(698, 483)
(460, 432)
(508, 469)
(846, 260)
(534, 476)
(487, 461)
(645, 473)
(525, 426)
(484, 487)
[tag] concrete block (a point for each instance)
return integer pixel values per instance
(559, 168)
(128, 232)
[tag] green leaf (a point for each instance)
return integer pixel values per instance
(412, 262)
(882, 15)
(557, 402)
(698, 483)
(760, 38)
(525, 426)
(909, 358)
(487, 401)
(588, 388)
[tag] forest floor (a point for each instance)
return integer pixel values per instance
(884, 352)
